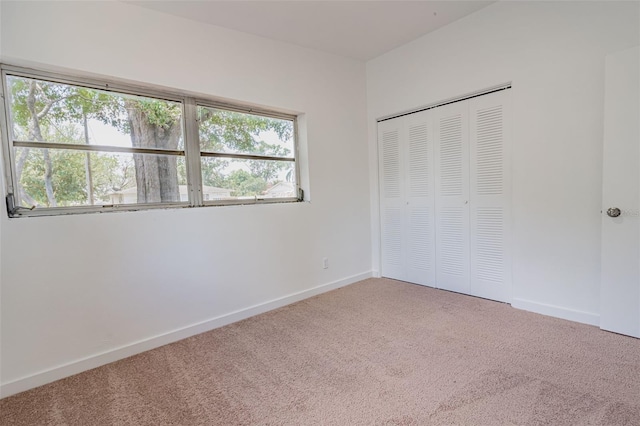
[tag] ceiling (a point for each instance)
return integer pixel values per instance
(356, 29)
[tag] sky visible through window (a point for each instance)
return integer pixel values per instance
(54, 125)
(102, 134)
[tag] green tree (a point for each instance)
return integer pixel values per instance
(45, 111)
(234, 132)
(35, 104)
(244, 183)
(68, 171)
(154, 124)
(230, 131)
(267, 169)
(213, 172)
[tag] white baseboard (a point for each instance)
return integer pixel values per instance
(78, 366)
(557, 311)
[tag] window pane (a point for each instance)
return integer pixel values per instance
(43, 111)
(232, 178)
(240, 133)
(61, 178)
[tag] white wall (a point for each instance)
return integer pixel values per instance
(553, 53)
(78, 286)
(2, 213)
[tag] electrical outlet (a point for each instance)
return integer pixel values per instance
(325, 263)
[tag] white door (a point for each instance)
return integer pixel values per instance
(407, 198)
(451, 130)
(392, 198)
(490, 195)
(420, 199)
(620, 280)
(445, 197)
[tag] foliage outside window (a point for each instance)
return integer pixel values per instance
(79, 146)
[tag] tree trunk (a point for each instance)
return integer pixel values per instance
(36, 134)
(22, 194)
(48, 179)
(156, 175)
(87, 162)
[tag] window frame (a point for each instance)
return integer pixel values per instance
(190, 131)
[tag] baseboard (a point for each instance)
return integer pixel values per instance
(78, 366)
(557, 311)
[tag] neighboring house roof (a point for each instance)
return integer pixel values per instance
(281, 188)
(214, 189)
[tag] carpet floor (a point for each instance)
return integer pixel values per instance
(378, 352)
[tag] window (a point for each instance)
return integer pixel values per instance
(76, 146)
(232, 159)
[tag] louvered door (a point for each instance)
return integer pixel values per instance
(445, 191)
(451, 129)
(392, 202)
(490, 195)
(420, 199)
(406, 198)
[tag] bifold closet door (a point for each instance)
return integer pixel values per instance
(407, 198)
(420, 199)
(490, 196)
(392, 204)
(445, 197)
(451, 136)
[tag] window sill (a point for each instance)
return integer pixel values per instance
(64, 211)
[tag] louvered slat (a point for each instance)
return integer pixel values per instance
(451, 159)
(420, 237)
(489, 244)
(392, 236)
(419, 164)
(453, 234)
(391, 164)
(489, 154)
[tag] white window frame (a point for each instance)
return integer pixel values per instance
(190, 132)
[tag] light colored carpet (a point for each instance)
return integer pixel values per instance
(379, 352)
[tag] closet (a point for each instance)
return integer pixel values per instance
(445, 196)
